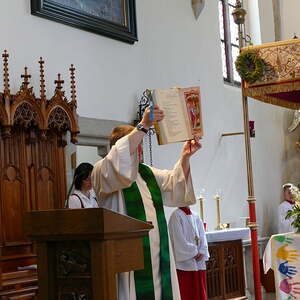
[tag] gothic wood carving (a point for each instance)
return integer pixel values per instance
(32, 158)
(73, 270)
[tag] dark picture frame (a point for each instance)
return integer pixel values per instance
(57, 10)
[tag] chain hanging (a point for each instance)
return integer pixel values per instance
(143, 103)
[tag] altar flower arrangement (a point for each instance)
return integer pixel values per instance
(295, 194)
(294, 213)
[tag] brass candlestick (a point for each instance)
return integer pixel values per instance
(219, 225)
(201, 200)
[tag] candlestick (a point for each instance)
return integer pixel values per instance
(218, 198)
(201, 200)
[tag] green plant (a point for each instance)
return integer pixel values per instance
(250, 66)
(294, 214)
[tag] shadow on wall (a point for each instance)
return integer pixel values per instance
(290, 165)
(291, 159)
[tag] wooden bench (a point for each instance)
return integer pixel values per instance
(21, 285)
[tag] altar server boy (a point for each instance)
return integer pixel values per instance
(190, 251)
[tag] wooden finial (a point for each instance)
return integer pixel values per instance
(42, 79)
(26, 78)
(59, 82)
(73, 85)
(5, 56)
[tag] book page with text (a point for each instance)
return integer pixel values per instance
(174, 127)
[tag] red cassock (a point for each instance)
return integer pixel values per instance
(192, 284)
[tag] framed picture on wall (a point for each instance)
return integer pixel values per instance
(113, 18)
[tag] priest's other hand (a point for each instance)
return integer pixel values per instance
(198, 256)
(190, 147)
(150, 117)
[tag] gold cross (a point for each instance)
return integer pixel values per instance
(196, 240)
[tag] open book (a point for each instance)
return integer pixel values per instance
(183, 117)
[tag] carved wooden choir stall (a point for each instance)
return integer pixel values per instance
(33, 175)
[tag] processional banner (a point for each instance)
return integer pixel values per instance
(279, 83)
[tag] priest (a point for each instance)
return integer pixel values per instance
(140, 191)
(190, 251)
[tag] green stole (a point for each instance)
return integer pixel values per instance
(135, 209)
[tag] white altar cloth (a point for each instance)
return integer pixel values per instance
(228, 235)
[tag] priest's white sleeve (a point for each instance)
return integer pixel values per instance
(176, 190)
(183, 249)
(116, 171)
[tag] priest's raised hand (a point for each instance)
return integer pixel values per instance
(189, 148)
(136, 136)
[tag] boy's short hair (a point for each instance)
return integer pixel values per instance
(118, 132)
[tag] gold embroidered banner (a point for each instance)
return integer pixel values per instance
(280, 83)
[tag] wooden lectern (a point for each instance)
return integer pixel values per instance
(80, 251)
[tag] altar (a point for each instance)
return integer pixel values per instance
(225, 268)
(282, 254)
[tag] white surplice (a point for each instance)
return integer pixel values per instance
(118, 170)
(284, 225)
(183, 230)
(88, 201)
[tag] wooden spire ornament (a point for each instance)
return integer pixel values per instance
(73, 85)
(5, 56)
(42, 80)
(24, 109)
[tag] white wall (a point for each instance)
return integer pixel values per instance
(87, 154)
(289, 19)
(173, 49)
(290, 26)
